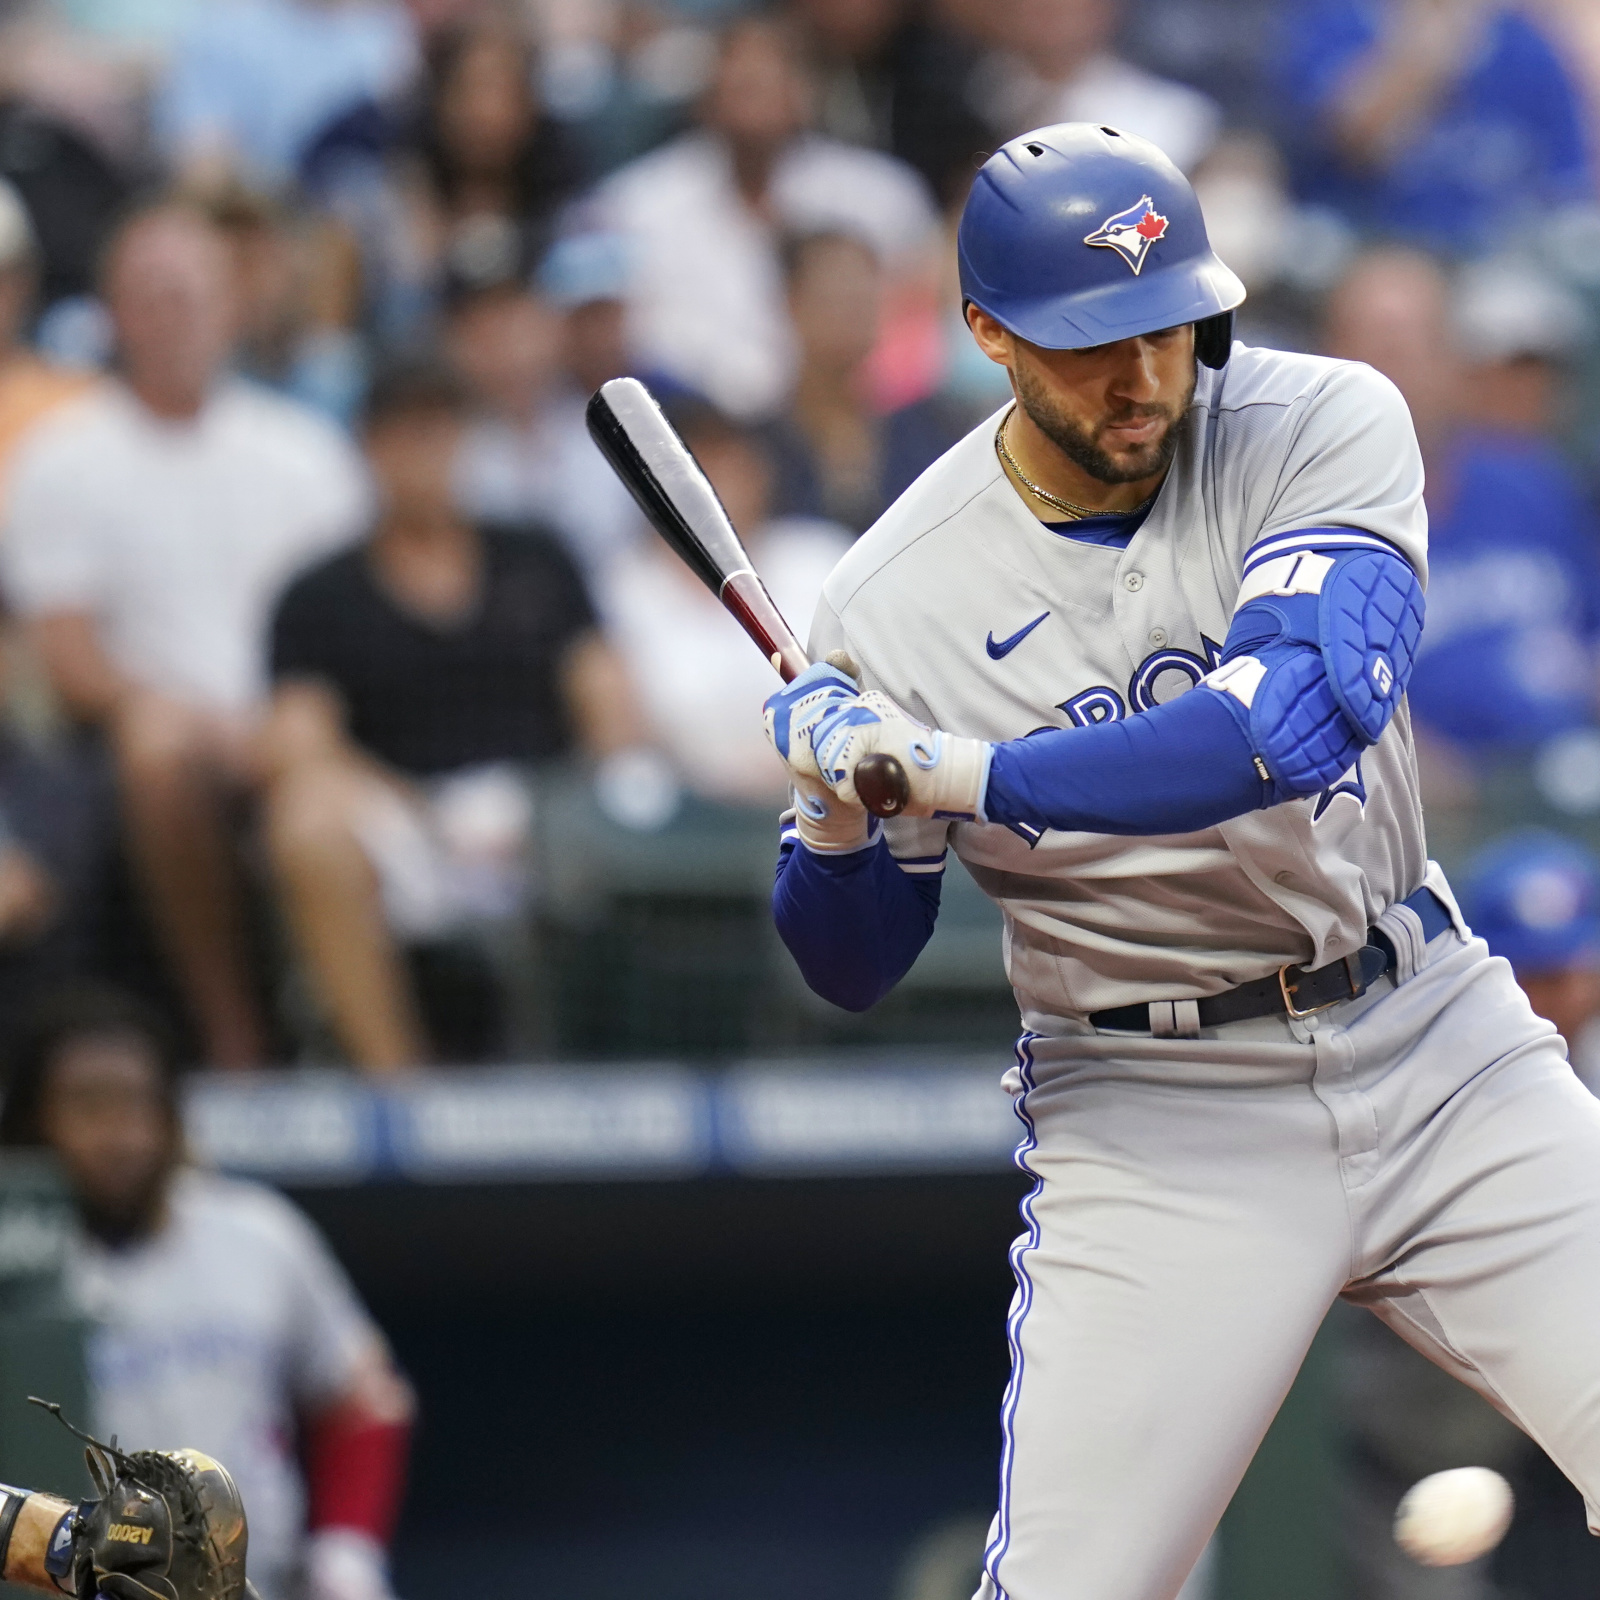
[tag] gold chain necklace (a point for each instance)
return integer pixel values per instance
(1075, 512)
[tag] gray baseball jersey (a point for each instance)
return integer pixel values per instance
(977, 618)
(1199, 1202)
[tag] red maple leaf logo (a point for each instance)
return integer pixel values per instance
(1151, 226)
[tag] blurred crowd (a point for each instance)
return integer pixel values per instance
(309, 566)
(310, 573)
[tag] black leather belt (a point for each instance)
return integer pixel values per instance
(1293, 991)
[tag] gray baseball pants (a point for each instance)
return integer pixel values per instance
(1425, 1151)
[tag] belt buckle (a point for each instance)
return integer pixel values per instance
(1352, 976)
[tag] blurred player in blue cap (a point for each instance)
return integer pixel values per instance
(1534, 897)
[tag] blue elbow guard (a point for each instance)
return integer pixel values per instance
(1317, 658)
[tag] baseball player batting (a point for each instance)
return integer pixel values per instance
(1141, 642)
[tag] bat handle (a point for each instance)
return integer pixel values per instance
(882, 784)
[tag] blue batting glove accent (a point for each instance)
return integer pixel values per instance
(829, 735)
(799, 702)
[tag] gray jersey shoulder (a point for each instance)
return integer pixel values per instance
(1262, 426)
(979, 619)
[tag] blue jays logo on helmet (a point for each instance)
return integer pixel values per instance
(1131, 233)
(1026, 261)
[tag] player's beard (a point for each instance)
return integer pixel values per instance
(121, 1216)
(1079, 444)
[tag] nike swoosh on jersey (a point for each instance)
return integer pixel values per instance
(998, 652)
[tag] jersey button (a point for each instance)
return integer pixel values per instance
(1134, 582)
(1283, 879)
(1158, 636)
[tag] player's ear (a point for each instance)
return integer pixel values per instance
(994, 338)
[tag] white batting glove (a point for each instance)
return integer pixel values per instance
(947, 774)
(825, 822)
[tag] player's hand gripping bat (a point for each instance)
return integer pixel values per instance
(650, 457)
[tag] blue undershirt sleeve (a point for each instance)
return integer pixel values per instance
(854, 923)
(1176, 768)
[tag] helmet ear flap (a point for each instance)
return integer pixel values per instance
(1213, 339)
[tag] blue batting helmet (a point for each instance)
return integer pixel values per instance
(1534, 898)
(1079, 235)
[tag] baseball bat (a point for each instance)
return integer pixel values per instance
(676, 496)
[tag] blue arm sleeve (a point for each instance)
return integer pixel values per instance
(1173, 769)
(853, 923)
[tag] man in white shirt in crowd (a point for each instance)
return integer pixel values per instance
(151, 525)
(219, 1317)
(700, 215)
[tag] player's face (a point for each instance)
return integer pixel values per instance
(1113, 409)
(105, 1116)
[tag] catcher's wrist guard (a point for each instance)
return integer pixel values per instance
(10, 1507)
(58, 1553)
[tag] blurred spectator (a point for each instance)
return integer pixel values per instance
(527, 457)
(830, 448)
(29, 386)
(92, 63)
(152, 24)
(1514, 569)
(152, 523)
(1448, 122)
(221, 1318)
(251, 82)
(71, 188)
(466, 179)
(1391, 309)
(416, 676)
(27, 897)
(891, 76)
(1534, 897)
(489, 151)
(51, 815)
(1287, 256)
(623, 75)
(586, 276)
(1057, 63)
(700, 682)
(53, 836)
(1522, 334)
(835, 457)
(296, 288)
(700, 217)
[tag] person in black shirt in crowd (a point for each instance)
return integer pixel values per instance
(414, 676)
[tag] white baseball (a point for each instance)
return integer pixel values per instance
(1454, 1516)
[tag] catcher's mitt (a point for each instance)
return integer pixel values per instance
(169, 1525)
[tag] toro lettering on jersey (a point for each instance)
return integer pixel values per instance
(1102, 703)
